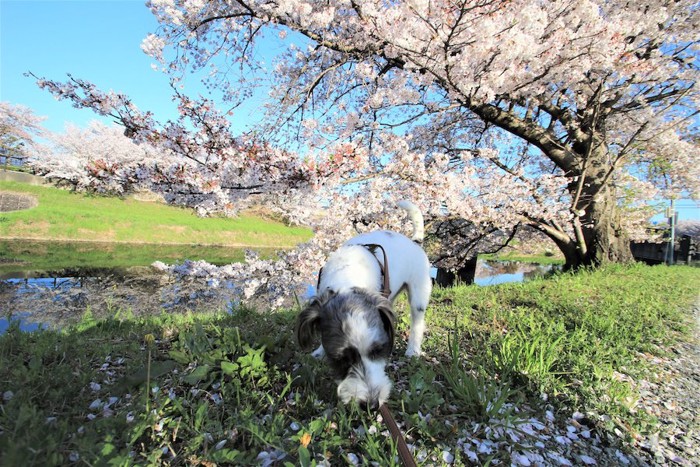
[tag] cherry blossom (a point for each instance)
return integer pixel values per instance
(20, 130)
(571, 101)
(566, 117)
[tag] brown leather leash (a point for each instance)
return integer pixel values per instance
(397, 436)
(383, 267)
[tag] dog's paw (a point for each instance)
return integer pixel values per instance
(319, 353)
(411, 352)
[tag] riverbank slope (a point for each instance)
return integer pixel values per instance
(61, 215)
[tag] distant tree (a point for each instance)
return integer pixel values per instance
(19, 128)
(562, 116)
(98, 158)
(691, 228)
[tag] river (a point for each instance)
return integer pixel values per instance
(55, 299)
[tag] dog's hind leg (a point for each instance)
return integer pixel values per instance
(415, 338)
(418, 299)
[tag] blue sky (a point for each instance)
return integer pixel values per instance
(687, 210)
(99, 41)
(95, 40)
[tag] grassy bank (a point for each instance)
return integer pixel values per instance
(67, 216)
(229, 388)
(34, 255)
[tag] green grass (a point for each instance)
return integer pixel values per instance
(224, 388)
(64, 215)
(14, 168)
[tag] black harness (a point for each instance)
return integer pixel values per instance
(383, 267)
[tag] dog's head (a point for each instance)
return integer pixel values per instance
(357, 333)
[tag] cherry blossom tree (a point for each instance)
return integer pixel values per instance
(585, 96)
(561, 116)
(195, 160)
(98, 158)
(19, 130)
(691, 228)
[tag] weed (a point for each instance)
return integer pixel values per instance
(231, 388)
(527, 354)
(481, 398)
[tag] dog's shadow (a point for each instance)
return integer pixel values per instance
(313, 375)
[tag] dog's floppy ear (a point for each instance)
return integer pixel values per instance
(309, 320)
(307, 323)
(388, 319)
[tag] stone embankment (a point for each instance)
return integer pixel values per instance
(21, 177)
(10, 201)
(16, 201)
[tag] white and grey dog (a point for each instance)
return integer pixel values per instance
(352, 311)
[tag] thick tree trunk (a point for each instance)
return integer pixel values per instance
(596, 235)
(605, 239)
(599, 237)
(464, 275)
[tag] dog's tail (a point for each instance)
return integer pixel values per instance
(416, 218)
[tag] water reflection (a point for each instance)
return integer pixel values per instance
(500, 272)
(54, 300)
(22, 258)
(62, 298)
